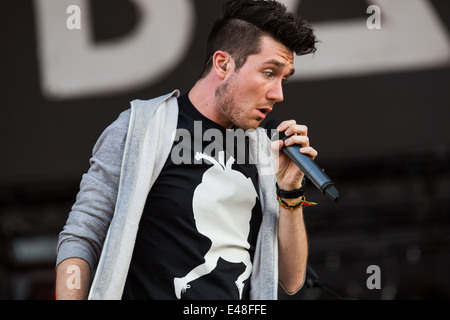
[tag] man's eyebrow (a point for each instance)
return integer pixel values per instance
(280, 65)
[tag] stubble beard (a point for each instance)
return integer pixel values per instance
(227, 104)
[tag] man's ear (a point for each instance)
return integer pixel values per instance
(221, 60)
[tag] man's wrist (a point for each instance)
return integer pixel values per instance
(291, 193)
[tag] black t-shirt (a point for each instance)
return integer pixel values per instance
(198, 231)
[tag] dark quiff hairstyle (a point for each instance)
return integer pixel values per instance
(243, 23)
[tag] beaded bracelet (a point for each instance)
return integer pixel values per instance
(299, 204)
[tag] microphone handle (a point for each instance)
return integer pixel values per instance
(312, 171)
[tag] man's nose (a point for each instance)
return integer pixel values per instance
(276, 92)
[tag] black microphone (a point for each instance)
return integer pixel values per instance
(311, 170)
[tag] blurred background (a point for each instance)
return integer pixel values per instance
(375, 97)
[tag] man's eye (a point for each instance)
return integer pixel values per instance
(268, 74)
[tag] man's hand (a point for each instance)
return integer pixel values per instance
(289, 175)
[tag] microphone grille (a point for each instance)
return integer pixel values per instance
(272, 124)
(271, 130)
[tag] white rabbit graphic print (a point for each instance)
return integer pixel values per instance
(222, 206)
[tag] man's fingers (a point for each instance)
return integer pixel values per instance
(296, 129)
(276, 145)
(301, 140)
(309, 151)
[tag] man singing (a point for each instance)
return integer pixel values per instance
(146, 225)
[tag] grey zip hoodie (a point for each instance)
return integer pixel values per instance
(127, 158)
